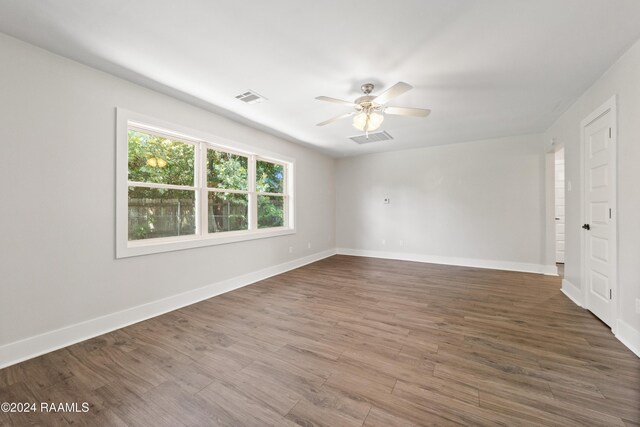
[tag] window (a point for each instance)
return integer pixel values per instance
(180, 189)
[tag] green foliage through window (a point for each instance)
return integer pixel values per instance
(226, 170)
(160, 160)
(270, 211)
(269, 177)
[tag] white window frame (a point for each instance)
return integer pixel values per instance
(124, 248)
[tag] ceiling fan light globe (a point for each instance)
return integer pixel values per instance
(367, 121)
(375, 120)
(360, 121)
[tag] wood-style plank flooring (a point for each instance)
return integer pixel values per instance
(349, 342)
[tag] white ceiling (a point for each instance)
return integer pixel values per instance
(487, 68)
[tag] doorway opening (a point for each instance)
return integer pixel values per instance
(559, 210)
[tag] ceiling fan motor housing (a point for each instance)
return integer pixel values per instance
(367, 88)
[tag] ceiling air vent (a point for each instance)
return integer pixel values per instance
(373, 137)
(251, 97)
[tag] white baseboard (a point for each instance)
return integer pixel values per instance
(550, 270)
(463, 262)
(572, 292)
(624, 332)
(31, 347)
(629, 336)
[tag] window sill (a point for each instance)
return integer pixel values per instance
(168, 244)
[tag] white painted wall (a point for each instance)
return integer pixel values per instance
(478, 203)
(623, 79)
(57, 263)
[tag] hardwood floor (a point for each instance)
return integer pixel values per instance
(349, 342)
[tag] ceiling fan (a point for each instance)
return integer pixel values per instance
(370, 110)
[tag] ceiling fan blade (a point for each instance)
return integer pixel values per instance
(395, 90)
(335, 100)
(401, 111)
(335, 119)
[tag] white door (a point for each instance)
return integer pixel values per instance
(559, 205)
(599, 229)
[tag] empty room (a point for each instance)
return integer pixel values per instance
(328, 213)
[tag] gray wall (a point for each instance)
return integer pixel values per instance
(469, 203)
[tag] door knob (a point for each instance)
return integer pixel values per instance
(586, 227)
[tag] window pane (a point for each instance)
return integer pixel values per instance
(269, 177)
(160, 160)
(226, 170)
(270, 211)
(158, 212)
(228, 212)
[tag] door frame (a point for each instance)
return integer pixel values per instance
(608, 107)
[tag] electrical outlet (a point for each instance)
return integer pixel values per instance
(638, 305)
(384, 242)
(309, 245)
(401, 243)
(290, 249)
